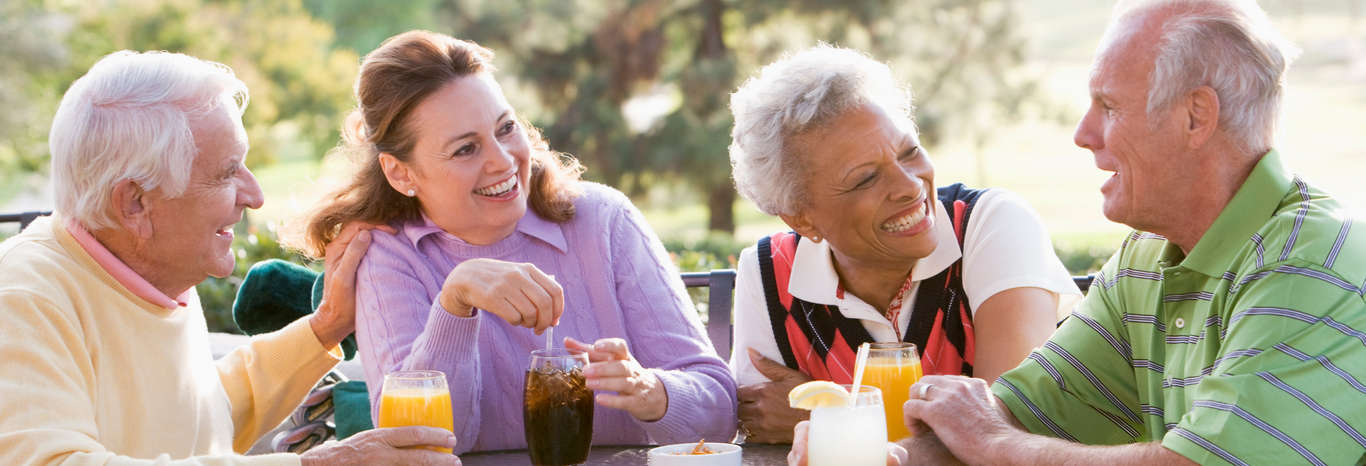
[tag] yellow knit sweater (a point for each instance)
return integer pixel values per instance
(92, 374)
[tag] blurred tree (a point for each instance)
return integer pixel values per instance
(361, 25)
(32, 53)
(300, 86)
(585, 60)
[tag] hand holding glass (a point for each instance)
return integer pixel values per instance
(416, 398)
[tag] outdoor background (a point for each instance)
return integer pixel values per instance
(638, 90)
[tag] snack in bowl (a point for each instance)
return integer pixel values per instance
(694, 454)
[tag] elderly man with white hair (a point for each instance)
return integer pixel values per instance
(104, 355)
(1230, 328)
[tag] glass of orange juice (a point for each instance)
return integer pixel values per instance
(416, 398)
(893, 368)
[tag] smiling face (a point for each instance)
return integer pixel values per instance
(471, 161)
(191, 234)
(870, 190)
(1145, 152)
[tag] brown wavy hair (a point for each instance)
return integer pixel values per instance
(394, 78)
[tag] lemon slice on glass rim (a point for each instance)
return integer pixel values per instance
(817, 393)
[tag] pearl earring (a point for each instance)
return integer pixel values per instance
(412, 192)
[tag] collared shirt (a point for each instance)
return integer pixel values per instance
(618, 282)
(1251, 349)
(1005, 246)
(120, 270)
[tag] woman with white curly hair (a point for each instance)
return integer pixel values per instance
(824, 139)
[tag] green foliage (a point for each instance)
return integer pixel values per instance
(1083, 259)
(252, 244)
(713, 251)
(285, 56)
(30, 55)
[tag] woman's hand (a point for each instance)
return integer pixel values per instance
(765, 416)
(611, 368)
(336, 314)
(518, 293)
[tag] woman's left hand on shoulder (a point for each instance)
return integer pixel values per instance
(612, 368)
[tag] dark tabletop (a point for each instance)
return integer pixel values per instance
(753, 454)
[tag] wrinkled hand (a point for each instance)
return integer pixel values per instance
(518, 293)
(336, 314)
(962, 412)
(611, 367)
(896, 456)
(386, 446)
(765, 416)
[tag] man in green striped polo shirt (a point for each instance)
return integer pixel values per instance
(1230, 327)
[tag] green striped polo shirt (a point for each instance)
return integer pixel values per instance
(1252, 349)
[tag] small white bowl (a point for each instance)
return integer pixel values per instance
(727, 454)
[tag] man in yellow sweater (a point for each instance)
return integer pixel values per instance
(104, 355)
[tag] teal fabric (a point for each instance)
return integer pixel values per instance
(275, 293)
(351, 399)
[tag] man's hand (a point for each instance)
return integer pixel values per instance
(896, 456)
(961, 411)
(336, 314)
(765, 416)
(386, 446)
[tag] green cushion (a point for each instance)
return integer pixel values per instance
(275, 293)
(351, 399)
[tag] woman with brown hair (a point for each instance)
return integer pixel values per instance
(472, 277)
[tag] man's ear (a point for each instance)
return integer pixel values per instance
(802, 225)
(399, 174)
(1202, 112)
(128, 205)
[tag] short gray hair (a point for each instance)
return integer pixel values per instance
(1231, 46)
(795, 94)
(129, 118)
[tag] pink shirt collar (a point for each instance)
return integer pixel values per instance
(121, 272)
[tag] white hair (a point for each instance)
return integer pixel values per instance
(1228, 45)
(795, 94)
(129, 118)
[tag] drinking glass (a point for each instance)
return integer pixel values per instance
(557, 408)
(846, 435)
(893, 368)
(416, 398)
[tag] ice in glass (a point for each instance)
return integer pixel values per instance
(557, 408)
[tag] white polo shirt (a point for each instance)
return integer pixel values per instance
(1005, 246)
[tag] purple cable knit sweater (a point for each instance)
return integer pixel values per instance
(618, 282)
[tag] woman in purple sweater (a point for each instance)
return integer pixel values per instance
(473, 277)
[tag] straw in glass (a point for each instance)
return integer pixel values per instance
(860, 363)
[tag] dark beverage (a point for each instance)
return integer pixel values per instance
(557, 408)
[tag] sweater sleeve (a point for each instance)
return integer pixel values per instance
(47, 378)
(699, 385)
(266, 378)
(399, 327)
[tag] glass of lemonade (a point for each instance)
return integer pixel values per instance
(416, 398)
(849, 435)
(893, 368)
(557, 408)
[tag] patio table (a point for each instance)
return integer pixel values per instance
(634, 455)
